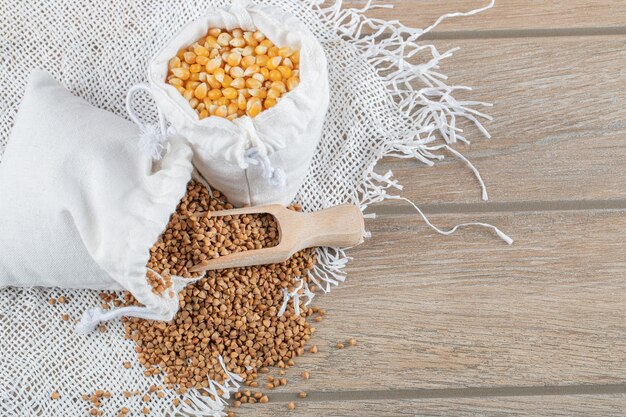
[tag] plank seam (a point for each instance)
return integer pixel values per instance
(472, 392)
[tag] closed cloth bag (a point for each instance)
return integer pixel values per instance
(258, 160)
(80, 205)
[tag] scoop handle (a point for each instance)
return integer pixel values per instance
(338, 226)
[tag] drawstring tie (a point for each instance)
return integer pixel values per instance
(152, 139)
(275, 176)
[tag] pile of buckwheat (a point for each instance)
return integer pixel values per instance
(231, 313)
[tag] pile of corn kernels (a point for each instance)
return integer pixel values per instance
(234, 73)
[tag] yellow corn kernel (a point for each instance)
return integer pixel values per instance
(237, 33)
(174, 63)
(200, 106)
(222, 111)
(261, 50)
(224, 39)
(202, 76)
(223, 101)
(259, 36)
(273, 93)
(215, 32)
(247, 61)
(280, 86)
(212, 81)
(214, 94)
(238, 83)
(182, 73)
(200, 91)
(190, 57)
(236, 72)
(232, 108)
(176, 82)
(181, 54)
(213, 65)
(267, 43)
(285, 71)
(288, 63)
(194, 76)
(233, 59)
(227, 81)
(254, 107)
(192, 84)
(230, 93)
(202, 60)
(292, 83)
(195, 68)
(213, 109)
(265, 72)
(188, 94)
(213, 53)
(241, 102)
(252, 69)
(237, 42)
(275, 75)
(181, 89)
(231, 117)
(258, 76)
(201, 50)
(253, 83)
(257, 92)
(272, 52)
(203, 114)
(273, 63)
(285, 51)
(194, 102)
(295, 57)
(269, 103)
(219, 74)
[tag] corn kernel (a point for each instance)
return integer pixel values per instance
(213, 65)
(224, 39)
(214, 32)
(275, 75)
(269, 103)
(273, 93)
(247, 61)
(260, 50)
(234, 58)
(214, 94)
(253, 83)
(223, 101)
(190, 57)
(254, 107)
(201, 50)
(174, 62)
(237, 72)
(182, 73)
(232, 108)
(230, 93)
(188, 94)
(227, 81)
(238, 83)
(285, 71)
(285, 51)
(292, 83)
(200, 91)
(195, 68)
(274, 62)
(222, 111)
(202, 60)
(272, 52)
(203, 114)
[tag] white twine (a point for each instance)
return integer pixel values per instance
(152, 139)
(275, 175)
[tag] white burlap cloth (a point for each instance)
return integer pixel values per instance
(387, 98)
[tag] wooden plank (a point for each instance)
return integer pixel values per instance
(599, 405)
(505, 15)
(469, 311)
(558, 129)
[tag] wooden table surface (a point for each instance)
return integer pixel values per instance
(466, 325)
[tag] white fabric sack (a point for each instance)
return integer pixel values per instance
(79, 204)
(265, 159)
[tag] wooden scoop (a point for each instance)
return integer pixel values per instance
(339, 226)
